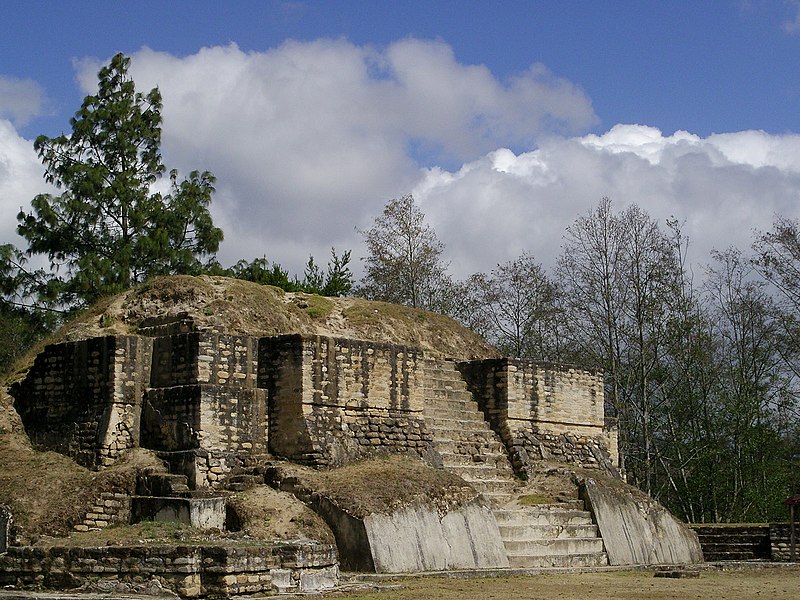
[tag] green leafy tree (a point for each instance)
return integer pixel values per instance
(337, 280)
(517, 304)
(405, 263)
(338, 277)
(108, 229)
(25, 316)
(261, 271)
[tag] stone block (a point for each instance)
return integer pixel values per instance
(203, 513)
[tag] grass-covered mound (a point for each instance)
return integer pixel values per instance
(383, 485)
(245, 308)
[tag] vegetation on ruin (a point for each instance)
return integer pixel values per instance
(384, 484)
(108, 229)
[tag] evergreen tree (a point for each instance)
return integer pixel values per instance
(108, 230)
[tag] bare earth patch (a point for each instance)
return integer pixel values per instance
(771, 583)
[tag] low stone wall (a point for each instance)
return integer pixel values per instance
(780, 543)
(186, 570)
(336, 400)
(544, 411)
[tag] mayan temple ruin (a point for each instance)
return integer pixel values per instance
(226, 411)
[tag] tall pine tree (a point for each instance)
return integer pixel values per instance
(108, 229)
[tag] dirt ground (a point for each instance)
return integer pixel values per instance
(771, 583)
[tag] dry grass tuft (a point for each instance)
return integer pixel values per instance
(383, 485)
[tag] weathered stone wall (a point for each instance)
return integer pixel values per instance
(780, 541)
(175, 360)
(335, 400)
(209, 402)
(204, 357)
(204, 413)
(83, 399)
(111, 508)
(188, 571)
(544, 411)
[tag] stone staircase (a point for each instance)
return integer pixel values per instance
(468, 446)
(549, 535)
(734, 542)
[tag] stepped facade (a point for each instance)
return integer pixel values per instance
(208, 401)
(218, 407)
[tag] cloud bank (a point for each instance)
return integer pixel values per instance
(720, 188)
(309, 140)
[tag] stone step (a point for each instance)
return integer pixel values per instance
(497, 486)
(162, 484)
(498, 499)
(473, 418)
(728, 546)
(731, 530)
(480, 471)
(596, 559)
(456, 459)
(468, 445)
(553, 546)
(569, 504)
(448, 399)
(243, 482)
(446, 389)
(550, 530)
(442, 373)
(467, 430)
(455, 414)
(452, 418)
(542, 516)
(735, 556)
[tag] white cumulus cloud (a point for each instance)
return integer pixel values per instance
(20, 100)
(20, 180)
(310, 139)
(721, 188)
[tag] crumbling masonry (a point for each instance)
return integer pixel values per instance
(209, 402)
(217, 407)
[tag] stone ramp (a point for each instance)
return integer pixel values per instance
(462, 437)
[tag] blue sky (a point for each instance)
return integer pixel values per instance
(507, 120)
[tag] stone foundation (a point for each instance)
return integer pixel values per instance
(187, 571)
